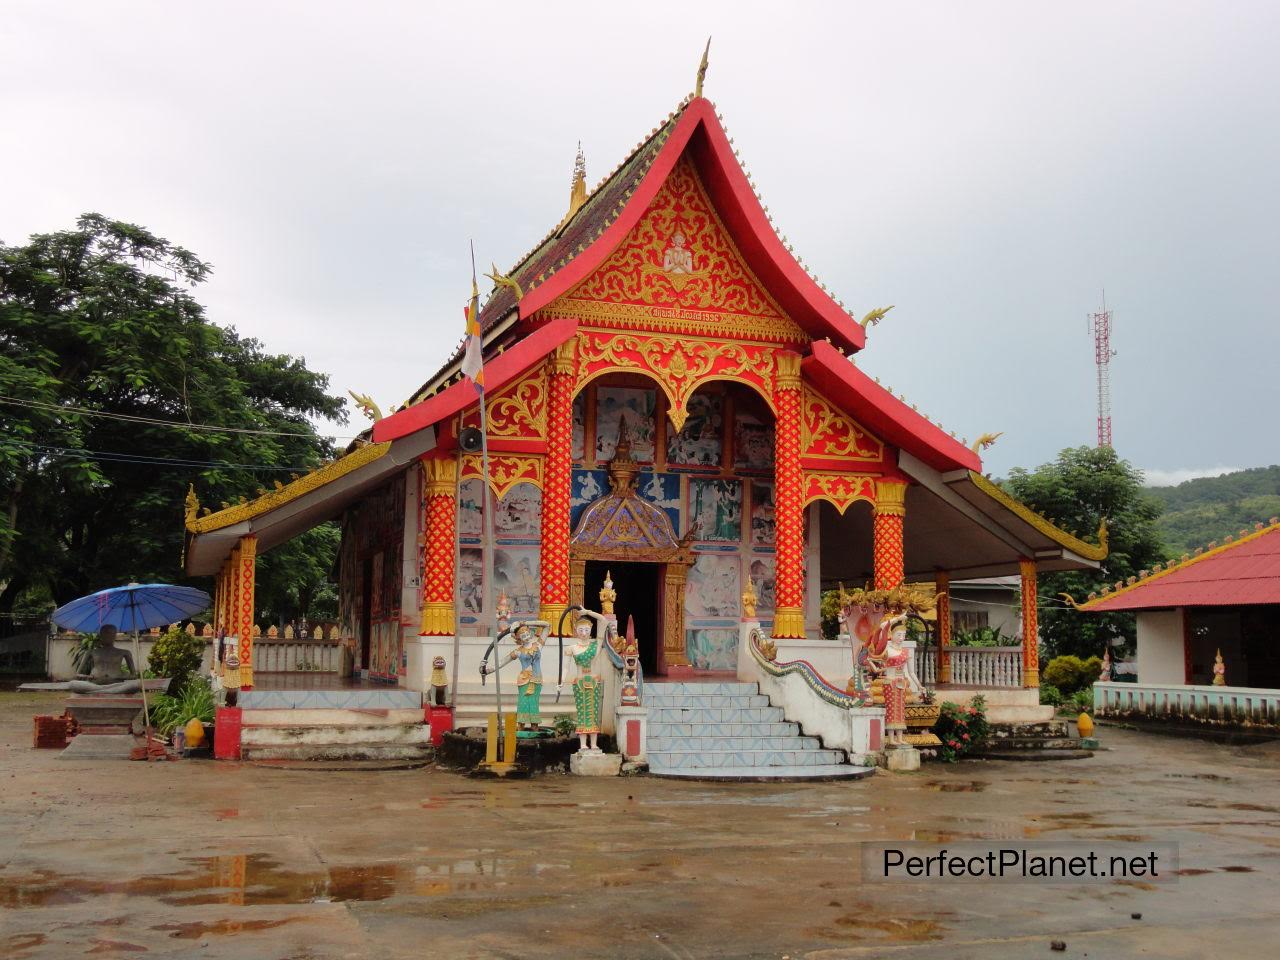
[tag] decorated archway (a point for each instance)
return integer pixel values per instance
(623, 527)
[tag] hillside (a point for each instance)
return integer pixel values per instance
(1201, 510)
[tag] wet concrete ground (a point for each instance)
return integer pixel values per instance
(196, 859)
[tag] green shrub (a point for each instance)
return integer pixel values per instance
(1051, 696)
(168, 713)
(1083, 700)
(961, 728)
(565, 725)
(1070, 673)
(177, 656)
(983, 637)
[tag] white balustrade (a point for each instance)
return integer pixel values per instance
(985, 666)
(298, 656)
(1226, 704)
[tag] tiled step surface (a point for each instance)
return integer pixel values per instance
(731, 731)
(356, 698)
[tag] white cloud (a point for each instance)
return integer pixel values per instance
(1171, 478)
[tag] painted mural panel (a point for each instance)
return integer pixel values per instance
(588, 487)
(471, 580)
(715, 507)
(752, 443)
(662, 490)
(712, 648)
(712, 589)
(762, 513)
(699, 442)
(579, 427)
(761, 571)
(471, 510)
(519, 513)
(515, 573)
(636, 406)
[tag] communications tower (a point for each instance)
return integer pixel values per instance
(1100, 326)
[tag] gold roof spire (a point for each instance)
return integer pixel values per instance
(702, 69)
(578, 189)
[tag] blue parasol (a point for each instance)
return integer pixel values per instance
(139, 606)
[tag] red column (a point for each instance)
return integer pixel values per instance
(557, 477)
(440, 491)
(788, 618)
(243, 617)
(887, 555)
(942, 587)
(1030, 629)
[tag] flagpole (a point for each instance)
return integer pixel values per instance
(489, 547)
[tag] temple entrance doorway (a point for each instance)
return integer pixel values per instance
(639, 595)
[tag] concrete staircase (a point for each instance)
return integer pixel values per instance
(474, 703)
(356, 724)
(730, 731)
(1043, 740)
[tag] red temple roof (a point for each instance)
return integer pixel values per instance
(1240, 571)
(572, 251)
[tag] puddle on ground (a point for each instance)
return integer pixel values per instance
(1237, 869)
(1197, 776)
(895, 928)
(952, 786)
(258, 879)
(194, 931)
(1191, 872)
(116, 946)
(19, 943)
(1250, 807)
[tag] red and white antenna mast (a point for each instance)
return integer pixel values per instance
(1100, 326)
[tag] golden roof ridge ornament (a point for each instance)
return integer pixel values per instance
(702, 69)
(505, 280)
(367, 406)
(578, 186)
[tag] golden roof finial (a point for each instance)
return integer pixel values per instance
(578, 188)
(702, 69)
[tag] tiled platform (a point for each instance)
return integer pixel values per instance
(730, 731)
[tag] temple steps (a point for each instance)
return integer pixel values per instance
(731, 731)
(475, 702)
(296, 725)
(1040, 740)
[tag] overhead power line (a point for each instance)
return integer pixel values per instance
(114, 456)
(153, 421)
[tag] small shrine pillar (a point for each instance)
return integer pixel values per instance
(440, 489)
(1030, 628)
(558, 478)
(244, 562)
(942, 588)
(888, 560)
(788, 619)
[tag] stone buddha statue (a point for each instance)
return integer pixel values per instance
(111, 671)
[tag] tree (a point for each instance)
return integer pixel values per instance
(110, 376)
(1078, 490)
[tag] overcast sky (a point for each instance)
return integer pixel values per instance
(986, 167)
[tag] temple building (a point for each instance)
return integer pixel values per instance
(672, 399)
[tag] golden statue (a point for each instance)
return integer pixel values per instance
(607, 594)
(749, 601)
(702, 69)
(874, 316)
(503, 280)
(366, 405)
(986, 440)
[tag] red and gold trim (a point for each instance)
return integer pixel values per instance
(505, 470)
(838, 489)
(440, 478)
(788, 620)
(942, 588)
(246, 565)
(887, 551)
(1030, 627)
(554, 572)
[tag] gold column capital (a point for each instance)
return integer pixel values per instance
(788, 623)
(891, 498)
(441, 475)
(564, 360)
(787, 370)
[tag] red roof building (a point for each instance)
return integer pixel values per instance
(664, 308)
(1223, 601)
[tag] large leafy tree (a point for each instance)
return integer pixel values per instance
(110, 377)
(1077, 491)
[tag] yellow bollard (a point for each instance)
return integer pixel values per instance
(491, 741)
(509, 747)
